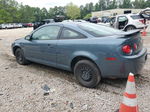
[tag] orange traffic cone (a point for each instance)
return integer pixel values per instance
(144, 33)
(129, 103)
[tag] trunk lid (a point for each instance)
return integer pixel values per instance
(134, 40)
(145, 13)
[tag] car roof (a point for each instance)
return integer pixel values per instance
(70, 25)
(67, 24)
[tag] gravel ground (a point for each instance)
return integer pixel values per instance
(21, 87)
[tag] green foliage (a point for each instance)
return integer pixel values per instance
(112, 4)
(88, 16)
(8, 11)
(97, 7)
(147, 4)
(72, 11)
(26, 14)
(126, 4)
(141, 3)
(102, 4)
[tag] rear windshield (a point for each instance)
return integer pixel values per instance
(135, 17)
(98, 30)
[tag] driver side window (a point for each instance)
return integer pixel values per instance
(46, 33)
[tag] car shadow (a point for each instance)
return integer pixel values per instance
(52, 72)
(66, 75)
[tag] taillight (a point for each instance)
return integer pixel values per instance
(126, 49)
(142, 21)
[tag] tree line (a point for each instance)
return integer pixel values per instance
(13, 12)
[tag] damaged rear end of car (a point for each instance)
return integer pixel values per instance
(132, 52)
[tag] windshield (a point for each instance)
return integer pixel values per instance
(98, 30)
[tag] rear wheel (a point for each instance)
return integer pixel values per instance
(128, 28)
(87, 73)
(20, 57)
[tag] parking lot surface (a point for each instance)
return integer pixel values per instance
(21, 87)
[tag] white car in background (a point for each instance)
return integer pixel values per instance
(17, 25)
(3, 26)
(6, 26)
(129, 21)
(10, 25)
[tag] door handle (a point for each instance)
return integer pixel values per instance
(50, 46)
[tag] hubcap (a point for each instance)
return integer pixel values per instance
(86, 74)
(19, 57)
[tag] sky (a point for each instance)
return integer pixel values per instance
(51, 3)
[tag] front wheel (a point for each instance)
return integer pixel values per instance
(87, 73)
(20, 57)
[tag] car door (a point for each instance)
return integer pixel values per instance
(113, 22)
(43, 45)
(122, 22)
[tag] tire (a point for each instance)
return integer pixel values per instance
(128, 28)
(87, 73)
(20, 57)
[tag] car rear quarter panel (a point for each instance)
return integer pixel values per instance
(96, 49)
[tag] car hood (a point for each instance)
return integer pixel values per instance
(18, 40)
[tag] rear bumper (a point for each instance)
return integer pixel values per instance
(135, 63)
(124, 65)
(145, 26)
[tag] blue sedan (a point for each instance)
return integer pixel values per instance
(90, 51)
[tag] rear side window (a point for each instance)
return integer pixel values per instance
(98, 30)
(135, 17)
(70, 34)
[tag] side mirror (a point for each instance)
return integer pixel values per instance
(28, 37)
